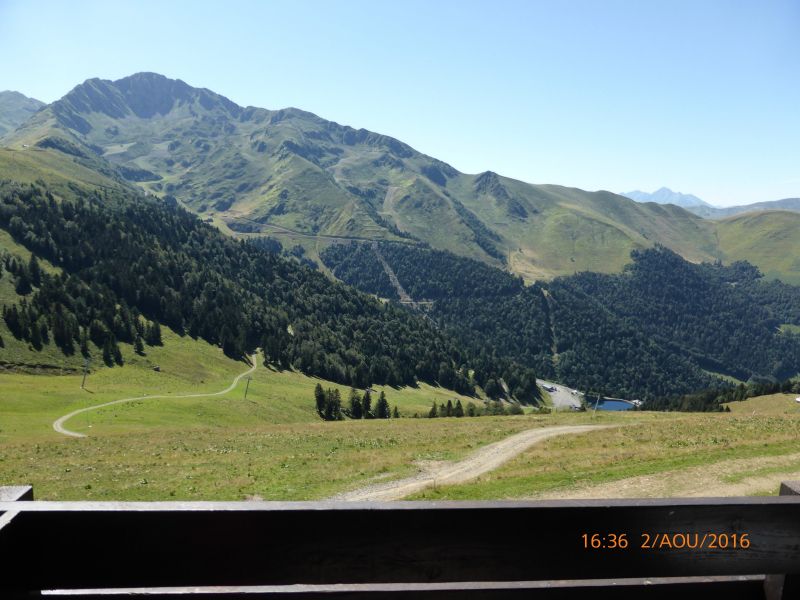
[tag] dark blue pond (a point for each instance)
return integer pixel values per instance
(612, 405)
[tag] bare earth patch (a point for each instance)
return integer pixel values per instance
(435, 473)
(736, 477)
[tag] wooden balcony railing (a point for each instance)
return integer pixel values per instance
(401, 550)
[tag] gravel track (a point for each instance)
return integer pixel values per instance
(58, 424)
(479, 462)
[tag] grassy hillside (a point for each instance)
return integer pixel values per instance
(60, 171)
(769, 240)
(289, 173)
(696, 455)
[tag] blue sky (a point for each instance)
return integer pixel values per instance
(700, 96)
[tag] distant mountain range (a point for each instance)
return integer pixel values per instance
(665, 195)
(293, 175)
(711, 212)
(15, 109)
(704, 209)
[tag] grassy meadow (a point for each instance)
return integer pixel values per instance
(270, 444)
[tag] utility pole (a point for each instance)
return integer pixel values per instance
(247, 387)
(85, 370)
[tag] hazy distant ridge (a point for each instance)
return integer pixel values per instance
(15, 109)
(665, 195)
(707, 211)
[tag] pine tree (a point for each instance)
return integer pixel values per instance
(84, 341)
(35, 271)
(117, 354)
(355, 405)
(395, 413)
(449, 408)
(366, 403)
(459, 410)
(382, 407)
(36, 337)
(138, 346)
(153, 334)
(433, 412)
(333, 406)
(319, 396)
(108, 352)
(23, 286)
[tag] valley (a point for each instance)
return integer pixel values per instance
(211, 264)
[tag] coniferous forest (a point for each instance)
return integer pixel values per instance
(664, 327)
(130, 264)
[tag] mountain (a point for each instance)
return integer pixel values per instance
(703, 209)
(665, 195)
(310, 182)
(257, 170)
(663, 326)
(84, 272)
(710, 212)
(15, 109)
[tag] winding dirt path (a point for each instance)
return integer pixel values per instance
(449, 473)
(58, 424)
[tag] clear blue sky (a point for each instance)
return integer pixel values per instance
(700, 96)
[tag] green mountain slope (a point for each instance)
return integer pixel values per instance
(770, 240)
(94, 269)
(663, 326)
(16, 109)
(289, 173)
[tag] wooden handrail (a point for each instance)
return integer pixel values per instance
(403, 549)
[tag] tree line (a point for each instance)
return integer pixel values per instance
(330, 408)
(130, 264)
(660, 329)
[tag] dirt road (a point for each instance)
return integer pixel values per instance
(480, 462)
(58, 424)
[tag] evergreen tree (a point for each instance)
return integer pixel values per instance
(395, 412)
(35, 271)
(108, 352)
(23, 286)
(319, 397)
(36, 337)
(153, 334)
(382, 407)
(492, 389)
(138, 346)
(333, 406)
(355, 405)
(459, 410)
(116, 352)
(449, 409)
(366, 402)
(433, 412)
(84, 342)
